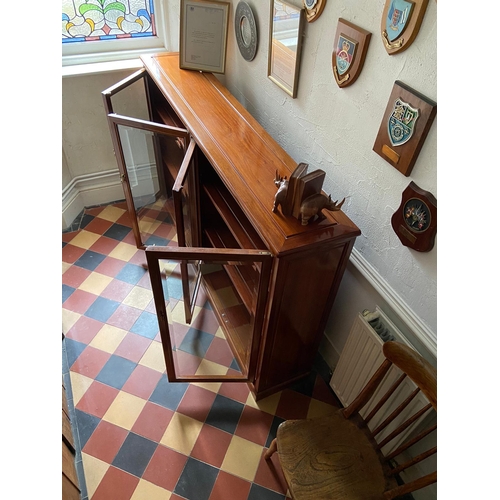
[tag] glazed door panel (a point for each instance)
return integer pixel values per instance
(222, 341)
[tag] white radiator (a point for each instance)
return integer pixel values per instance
(360, 358)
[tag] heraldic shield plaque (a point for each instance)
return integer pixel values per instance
(405, 125)
(401, 22)
(415, 221)
(349, 52)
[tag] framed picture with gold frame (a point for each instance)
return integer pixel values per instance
(404, 128)
(203, 35)
(285, 44)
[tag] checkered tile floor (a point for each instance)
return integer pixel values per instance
(139, 436)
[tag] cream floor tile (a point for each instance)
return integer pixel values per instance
(138, 297)
(111, 213)
(94, 470)
(95, 283)
(268, 404)
(178, 315)
(181, 434)
(242, 458)
(79, 386)
(124, 410)
(69, 318)
(167, 267)
(149, 491)
(85, 239)
(209, 386)
(319, 409)
(65, 267)
(123, 251)
(147, 225)
(210, 368)
(219, 333)
(108, 338)
(153, 357)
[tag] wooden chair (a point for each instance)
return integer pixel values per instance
(336, 457)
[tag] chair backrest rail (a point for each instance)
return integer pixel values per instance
(417, 484)
(396, 412)
(414, 460)
(386, 396)
(410, 442)
(404, 425)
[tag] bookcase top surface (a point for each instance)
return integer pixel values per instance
(242, 152)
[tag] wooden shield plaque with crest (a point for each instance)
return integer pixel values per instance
(349, 52)
(401, 22)
(405, 125)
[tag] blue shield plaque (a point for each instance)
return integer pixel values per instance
(402, 122)
(397, 19)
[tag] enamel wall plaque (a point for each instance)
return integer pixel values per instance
(401, 22)
(405, 125)
(246, 30)
(415, 221)
(313, 9)
(349, 52)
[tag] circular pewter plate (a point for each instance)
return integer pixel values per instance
(246, 30)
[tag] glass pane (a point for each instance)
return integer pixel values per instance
(147, 184)
(213, 344)
(90, 21)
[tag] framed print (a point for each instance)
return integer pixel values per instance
(405, 125)
(285, 42)
(349, 52)
(203, 35)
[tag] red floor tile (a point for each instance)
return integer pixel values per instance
(229, 487)
(116, 484)
(104, 244)
(133, 347)
(322, 392)
(211, 445)
(90, 362)
(117, 290)
(75, 276)
(238, 392)
(254, 425)
(124, 317)
(79, 301)
(70, 253)
(219, 352)
(110, 266)
(84, 330)
(165, 467)
(97, 399)
(152, 421)
(105, 441)
(142, 382)
(98, 225)
(196, 403)
(270, 475)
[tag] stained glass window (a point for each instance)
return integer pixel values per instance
(91, 20)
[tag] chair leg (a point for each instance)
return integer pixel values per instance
(272, 449)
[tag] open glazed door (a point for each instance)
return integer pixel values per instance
(150, 148)
(221, 343)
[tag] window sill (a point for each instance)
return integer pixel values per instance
(87, 66)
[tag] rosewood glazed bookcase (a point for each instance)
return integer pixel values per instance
(200, 158)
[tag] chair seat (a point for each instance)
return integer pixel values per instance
(330, 458)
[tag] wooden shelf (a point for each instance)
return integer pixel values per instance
(242, 277)
(232, 215)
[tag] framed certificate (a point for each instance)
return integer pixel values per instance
(203, 35)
